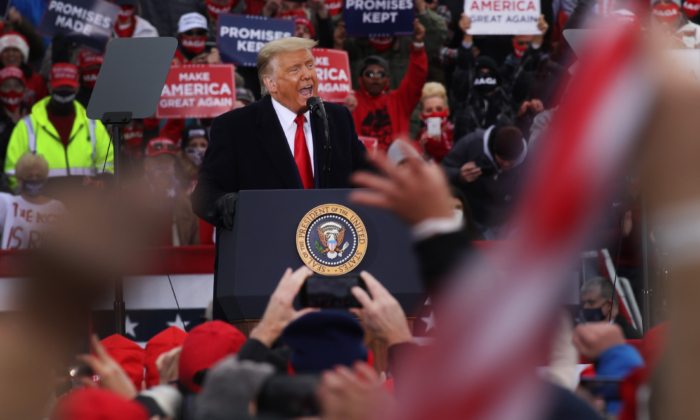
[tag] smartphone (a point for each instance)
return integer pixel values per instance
(284, 396)
(330, 292)
(434, 127)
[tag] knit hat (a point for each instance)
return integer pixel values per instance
(322, 340)
(230, 386)
(10, 72)
(162, 342)
(87, 58)
(97, 404)
(304, 21)
(63, 74)
(485, 62)
(128, 354)
(373, 59)
(243, 94)
(192, 131)
(508, 142)
(205, 345)
(12, 39)
(191, 21)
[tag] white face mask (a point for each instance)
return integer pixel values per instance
(458, 215)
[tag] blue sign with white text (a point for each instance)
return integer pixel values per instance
(86, 22)
(240, 37)
(376, 18)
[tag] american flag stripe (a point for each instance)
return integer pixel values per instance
(496, 319)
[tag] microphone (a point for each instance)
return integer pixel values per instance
(315, 104)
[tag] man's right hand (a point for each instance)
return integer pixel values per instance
(469, 172)
(280, 310)
(350, 101)
(465, 24)
(226, 208)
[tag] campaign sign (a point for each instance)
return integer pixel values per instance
(240, 37)
(333, 73)
(197, 91)
(86, 22)
(503, 17)
(378, 17)
(371, 144)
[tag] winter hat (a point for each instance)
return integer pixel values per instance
(191, 21)
(162, 342)
(192, 131)
(87, 58)
(128, 354)
(12, 39)
(63, 74)
(322, 340)
(304, 21)
(9, 72)
(666, 13)
(485, 62)
(205, 345)
(97, 404)
(508, 142)
(230, 386)
(373, 59)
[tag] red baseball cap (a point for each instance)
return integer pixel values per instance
(64, 74)
(10, 72)
(128, 354)
(97, 404)
(87, 58)
(160, 145)
(162, 342)
(205, 345)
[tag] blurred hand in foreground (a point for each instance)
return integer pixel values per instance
(414, 190)
(594, 338)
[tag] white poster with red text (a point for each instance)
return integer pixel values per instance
(503, 17)
(333, 72)
(198, 91)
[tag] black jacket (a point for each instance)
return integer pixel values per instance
(249, 151)
(628, 329)
(492, 194)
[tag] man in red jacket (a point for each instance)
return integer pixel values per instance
(386, 115)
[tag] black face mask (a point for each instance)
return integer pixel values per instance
(593, 315)
(33, 188)
(485, 82)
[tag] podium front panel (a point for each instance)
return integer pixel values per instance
(262, 245)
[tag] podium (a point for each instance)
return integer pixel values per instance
(253, 256)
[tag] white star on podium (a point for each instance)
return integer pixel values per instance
(178, 323)
(430, 321)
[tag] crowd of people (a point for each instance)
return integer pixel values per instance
(472, 110)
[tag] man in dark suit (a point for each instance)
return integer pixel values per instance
(276, 142)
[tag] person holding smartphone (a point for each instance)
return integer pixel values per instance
(436, 135)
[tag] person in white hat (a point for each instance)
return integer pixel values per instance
(14, 51)
(192, 33)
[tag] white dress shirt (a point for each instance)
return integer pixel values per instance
(286, 118)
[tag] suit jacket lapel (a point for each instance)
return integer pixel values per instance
(319, 147)
(271, 136)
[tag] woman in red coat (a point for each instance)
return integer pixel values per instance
(436, 135)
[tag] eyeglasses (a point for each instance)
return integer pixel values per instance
(375, 73)
(195, 32)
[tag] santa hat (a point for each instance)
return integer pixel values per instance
(128, 354)
(205, 345)
(97, 404)
(12, 39)
(162, 342)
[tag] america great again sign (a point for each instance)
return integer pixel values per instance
(503, 17)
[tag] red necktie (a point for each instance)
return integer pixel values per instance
(301, 154)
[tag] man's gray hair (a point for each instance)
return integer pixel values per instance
(601, 285)
(274, 48)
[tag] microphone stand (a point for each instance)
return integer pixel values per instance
(316, 105)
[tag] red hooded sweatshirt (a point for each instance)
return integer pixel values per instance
(387, 116)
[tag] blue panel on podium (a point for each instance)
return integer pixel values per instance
(253, 256)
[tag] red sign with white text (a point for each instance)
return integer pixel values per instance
(198, 91)
(333, 71)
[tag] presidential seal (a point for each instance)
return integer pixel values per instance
(331, 240)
